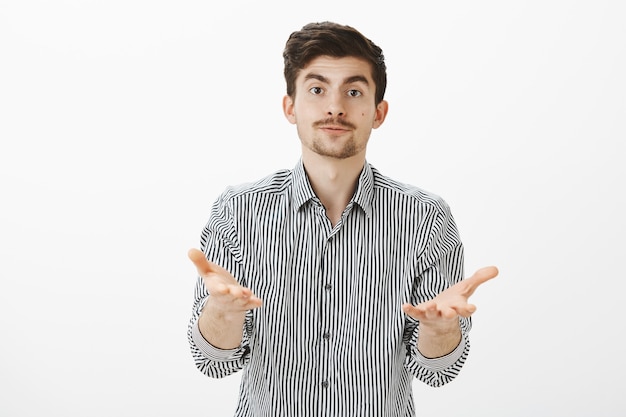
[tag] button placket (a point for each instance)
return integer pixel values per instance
(327, 313)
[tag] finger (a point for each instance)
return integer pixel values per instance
(227, 303)
(421, 311)
(465, 311)
(448, 313)
(481, 276)
(431, 310)
(253, 302)
(217, 289)
(239, 292)
(235, 294)
(410, 310)
(243, 297)
(242, 294)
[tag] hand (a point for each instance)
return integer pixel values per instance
(450, 303)
(227, 295)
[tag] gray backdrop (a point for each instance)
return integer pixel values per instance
(121, 121)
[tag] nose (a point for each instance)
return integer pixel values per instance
(336, 105)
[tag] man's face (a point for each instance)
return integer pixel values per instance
(334, 107)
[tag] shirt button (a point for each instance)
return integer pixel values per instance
(328, 287)
(326, 335)
(324, 384)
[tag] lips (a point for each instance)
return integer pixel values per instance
(327, 127)
(334, 124)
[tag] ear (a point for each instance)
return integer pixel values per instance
(288, 109)
(381, 113)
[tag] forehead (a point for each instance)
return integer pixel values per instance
(336, 70)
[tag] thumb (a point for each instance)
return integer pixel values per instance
(483, 275)
(200, 261)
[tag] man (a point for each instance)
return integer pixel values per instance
(331, 286)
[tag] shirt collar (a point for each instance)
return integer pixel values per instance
(364, 193)
(303, 192)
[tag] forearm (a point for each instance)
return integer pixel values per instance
(222, 330)
(437, 372)
(438, 341)
(212, 361)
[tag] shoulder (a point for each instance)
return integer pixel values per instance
(391, 190)
(275, 183)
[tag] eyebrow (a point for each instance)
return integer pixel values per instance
(349, 80)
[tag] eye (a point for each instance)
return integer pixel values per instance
(354, 93)
(316, 90)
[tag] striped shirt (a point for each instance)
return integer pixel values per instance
(331, 338)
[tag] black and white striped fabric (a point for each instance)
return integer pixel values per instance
(331, 338)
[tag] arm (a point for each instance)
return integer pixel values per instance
(438, 314)
(441, 333)
(221, 323)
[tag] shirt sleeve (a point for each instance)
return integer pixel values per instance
(220, 245)
(439, 266)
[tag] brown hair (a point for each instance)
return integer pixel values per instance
(332, 39)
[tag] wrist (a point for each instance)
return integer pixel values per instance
(439, 327)
(215, 313)
(221, 329)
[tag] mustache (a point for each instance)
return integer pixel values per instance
(335, 122)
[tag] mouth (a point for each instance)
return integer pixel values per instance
(334, 126)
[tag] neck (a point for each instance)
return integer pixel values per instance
(333, 180)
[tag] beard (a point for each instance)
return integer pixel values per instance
(345, 151)
(333, 148)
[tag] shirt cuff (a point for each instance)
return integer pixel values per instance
(211, 352)
(443, 362)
